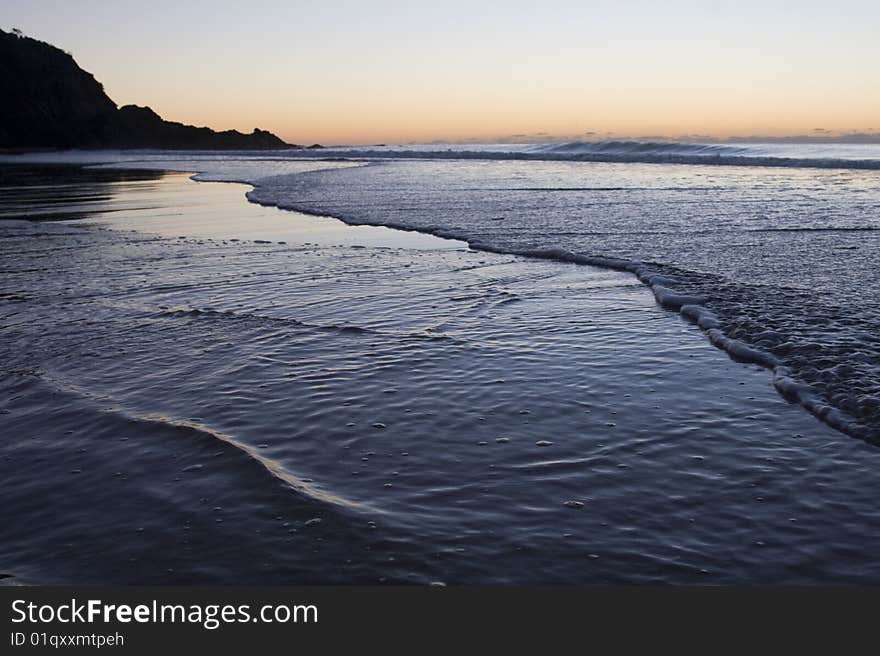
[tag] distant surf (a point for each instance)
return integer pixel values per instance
(813, 155)
(817, 154)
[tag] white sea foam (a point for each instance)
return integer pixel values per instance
(767, 262)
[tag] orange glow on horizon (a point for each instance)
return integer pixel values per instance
(389, 71)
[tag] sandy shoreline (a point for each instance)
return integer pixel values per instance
(446, 414)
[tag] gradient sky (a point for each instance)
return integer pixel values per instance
(334, 71)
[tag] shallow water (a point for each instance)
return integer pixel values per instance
(185, 409)
(771, 248)
(779, 264)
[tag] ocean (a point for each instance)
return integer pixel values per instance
(450, 363)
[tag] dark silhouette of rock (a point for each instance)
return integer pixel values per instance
(48, 101)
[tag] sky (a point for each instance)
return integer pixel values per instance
(341, 72)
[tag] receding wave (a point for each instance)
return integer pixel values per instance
(758, 309)
(191, 431)
(248, 461)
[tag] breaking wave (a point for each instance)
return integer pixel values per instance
(825, 156)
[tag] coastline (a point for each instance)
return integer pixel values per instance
(190, 335)
(718, 305)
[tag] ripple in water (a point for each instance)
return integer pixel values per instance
(778, 265)
(209, 410)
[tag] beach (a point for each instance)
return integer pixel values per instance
(201, 389)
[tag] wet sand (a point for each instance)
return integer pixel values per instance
(185, 399)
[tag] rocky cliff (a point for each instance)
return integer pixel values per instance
(48, 101)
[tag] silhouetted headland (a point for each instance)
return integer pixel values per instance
(49, 102)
